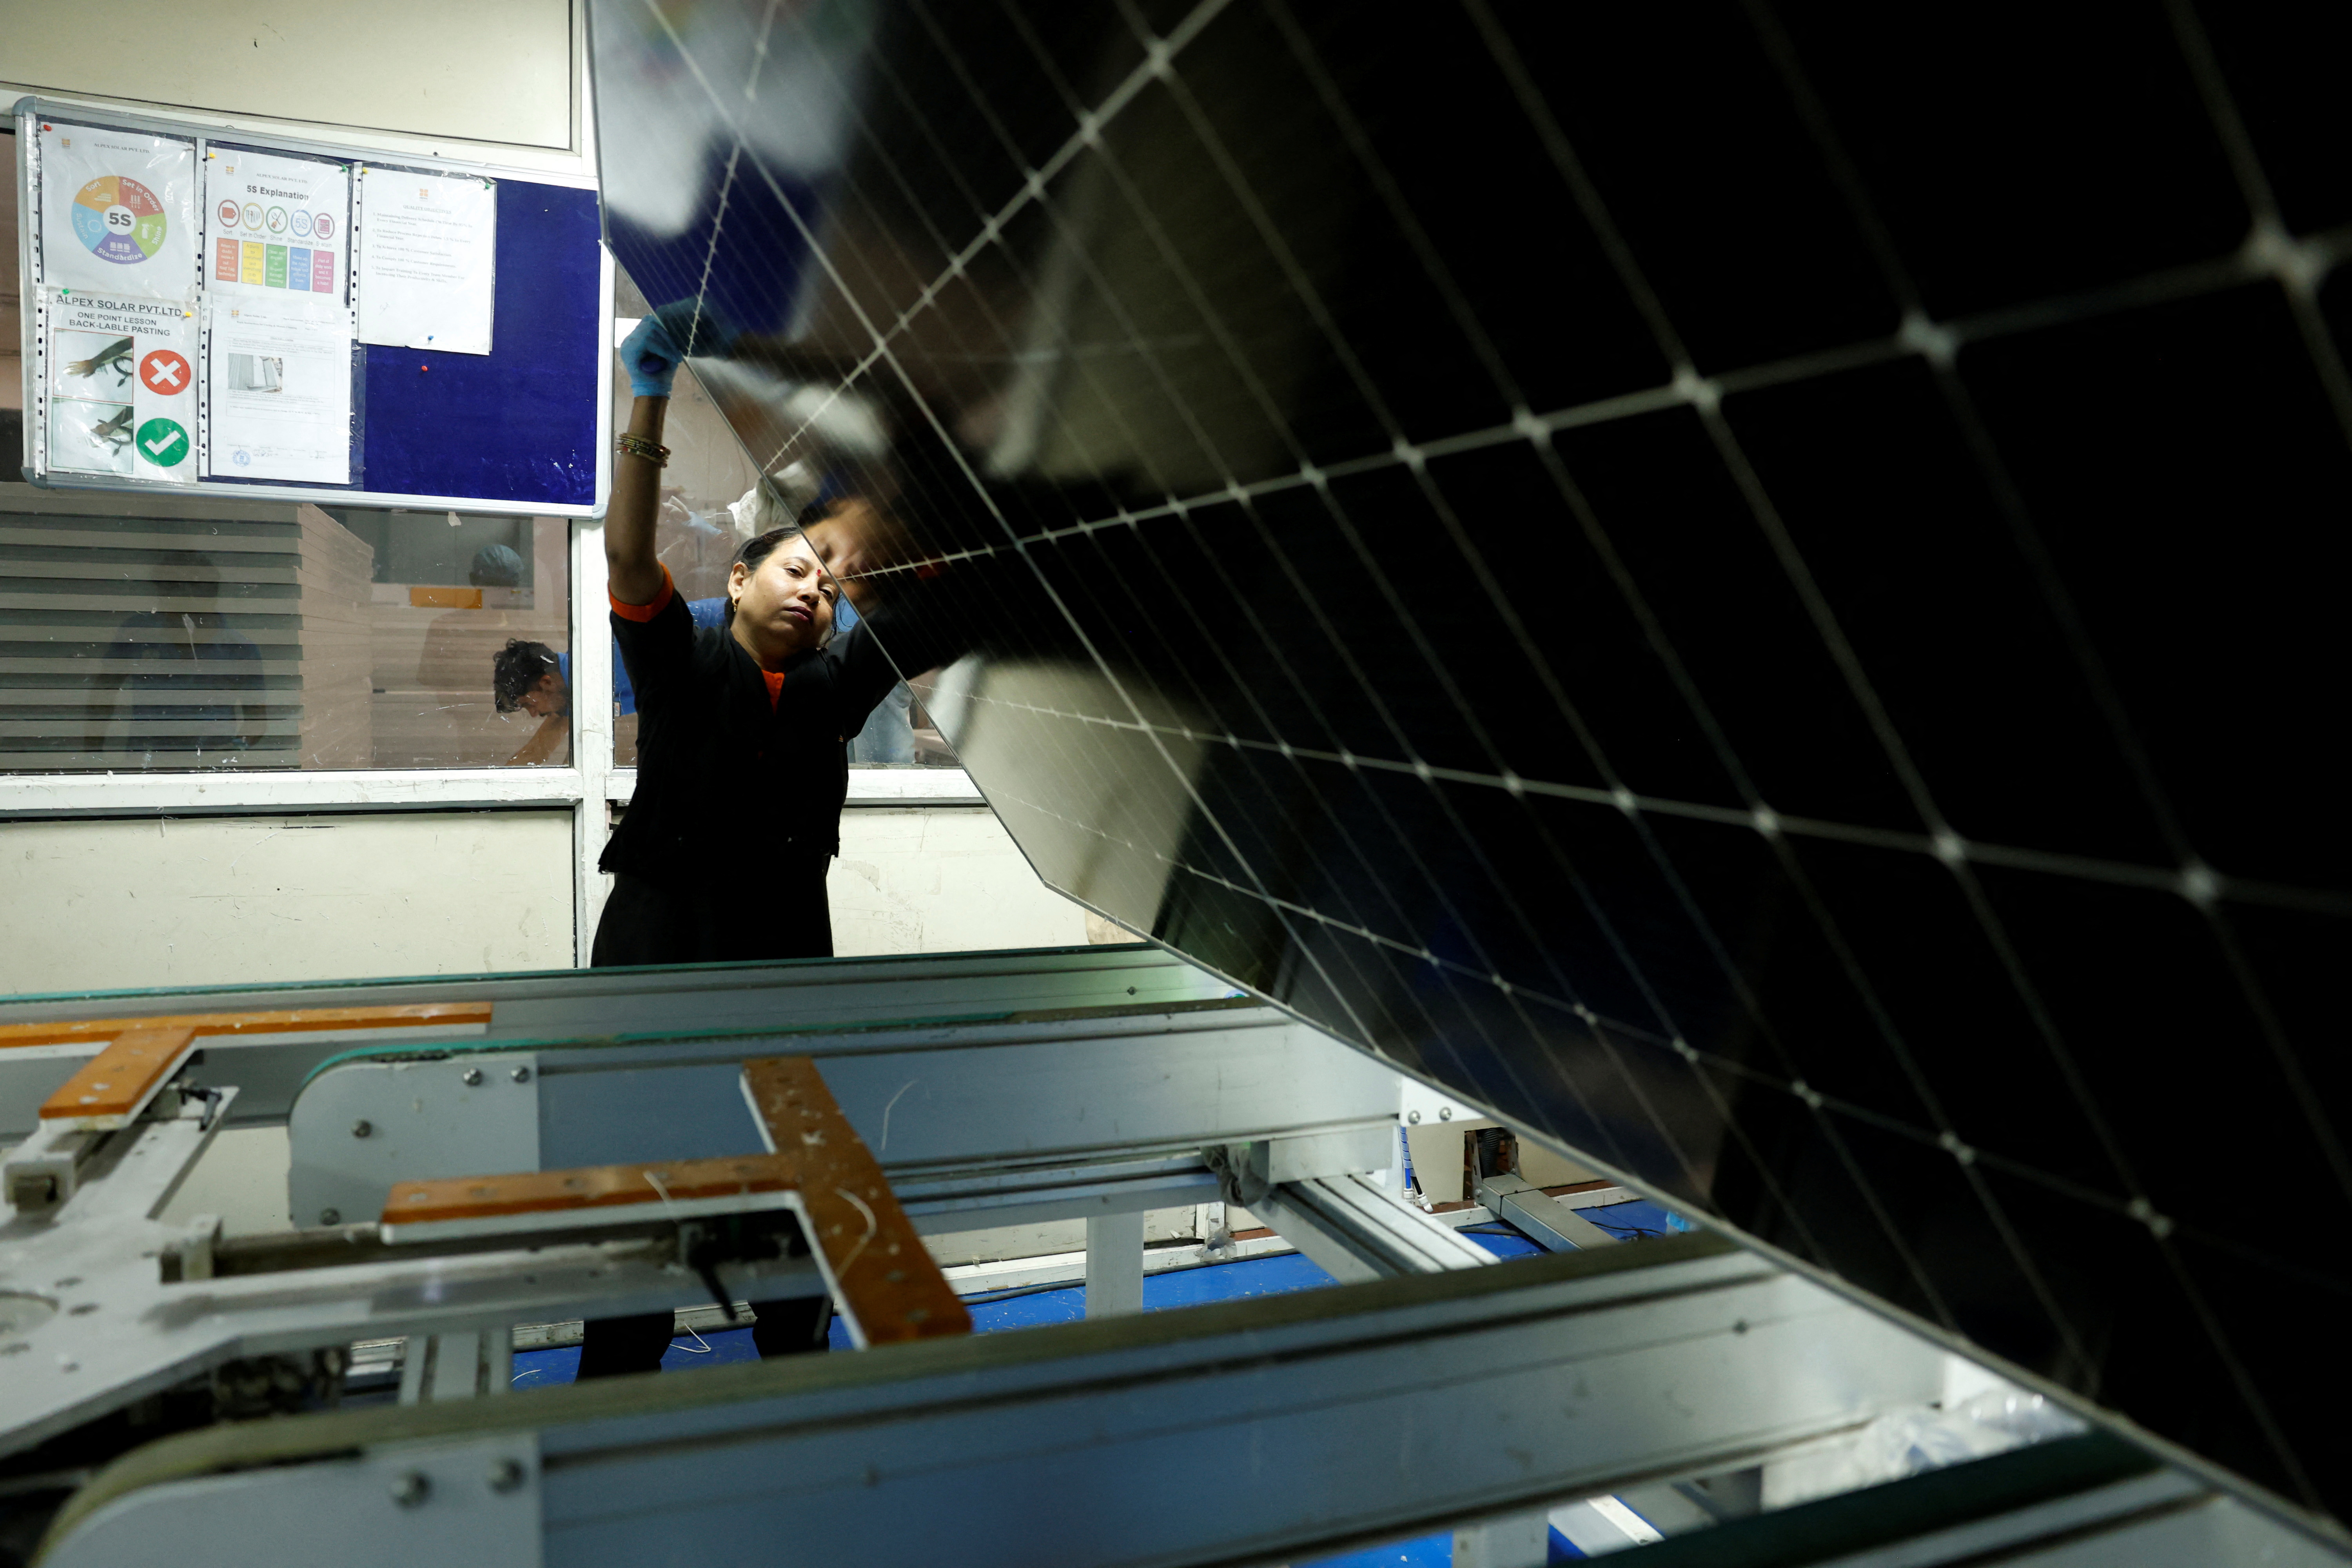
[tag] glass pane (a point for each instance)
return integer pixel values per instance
(157, 633)
(470, 638)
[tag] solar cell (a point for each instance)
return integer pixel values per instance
(1746, 587)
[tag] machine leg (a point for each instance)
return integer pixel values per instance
(439, 1367)
(1114, 1264)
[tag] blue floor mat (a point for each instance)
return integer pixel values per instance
(1422, 1551)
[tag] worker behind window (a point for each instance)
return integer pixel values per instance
(535, 679)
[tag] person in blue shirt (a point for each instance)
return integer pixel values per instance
(535, 679)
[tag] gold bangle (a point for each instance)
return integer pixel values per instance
(633, 445)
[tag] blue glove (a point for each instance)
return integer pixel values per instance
(652, 353)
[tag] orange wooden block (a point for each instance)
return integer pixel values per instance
(591, 1188)
(115, 1085)
(879, 1270)
(444, 598)
(407, 1015)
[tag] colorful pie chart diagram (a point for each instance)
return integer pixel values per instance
(120, 219)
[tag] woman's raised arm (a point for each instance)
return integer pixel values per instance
(631, 571)
(651, 355)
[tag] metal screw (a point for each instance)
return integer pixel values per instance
(521, 1075)
(410, 1488)
(1445, 1113)
(1413, 1117)
(361, 1129)
(473, 1076)
(330, 1216)
(507, 1475)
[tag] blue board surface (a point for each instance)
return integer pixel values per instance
(519, 423)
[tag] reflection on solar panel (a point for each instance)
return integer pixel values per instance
(1745, 587)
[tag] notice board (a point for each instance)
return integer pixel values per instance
(209, 314)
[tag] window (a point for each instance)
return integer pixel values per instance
(470, 638)
(143, 633)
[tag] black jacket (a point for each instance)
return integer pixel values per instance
(717, 769)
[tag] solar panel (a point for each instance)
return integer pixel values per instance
(1746, 587)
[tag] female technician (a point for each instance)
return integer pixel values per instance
(742, 771)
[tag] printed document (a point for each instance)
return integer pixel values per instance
(117, 211)
(281, 390)
(276, 223)
(428, 259)
(121, 385)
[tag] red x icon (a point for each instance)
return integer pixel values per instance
(164, 371)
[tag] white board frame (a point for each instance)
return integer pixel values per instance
(32, 318)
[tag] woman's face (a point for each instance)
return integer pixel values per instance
(786, 602)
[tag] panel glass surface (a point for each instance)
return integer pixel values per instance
(1747, 591)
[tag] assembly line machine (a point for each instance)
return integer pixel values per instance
(472, 1157)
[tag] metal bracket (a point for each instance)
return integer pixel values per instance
(1548, 1223)
(1247, 1172)
(42, 1174)
(357, 1130)
(1355, 1229)
(876, 1267)
(42, 1170)
(1240, 1170)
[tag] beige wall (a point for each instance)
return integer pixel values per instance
(108, 903)
(111, 902)
(942, 879)
(485, 70)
